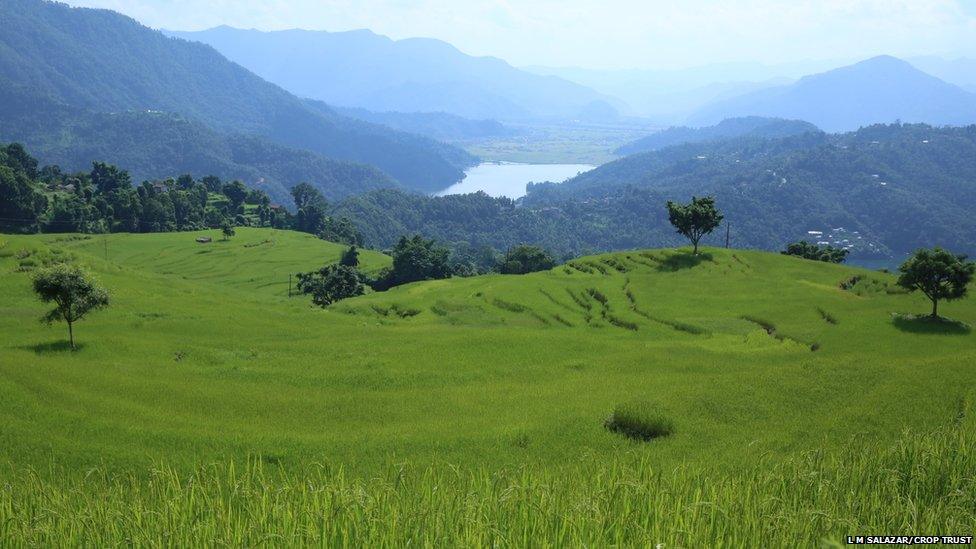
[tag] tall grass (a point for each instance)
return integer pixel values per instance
(924, 484)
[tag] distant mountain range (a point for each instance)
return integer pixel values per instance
(879, 90)
(98, 61)
(750, 126)
(365, 70)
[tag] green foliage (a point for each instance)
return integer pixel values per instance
(73, 292)
(416, 258)
(938, 274)
(695, 219)
(227, 230)
(816, 252)
(331, 283)
(639, 421)
(350, 257)
(525, 259)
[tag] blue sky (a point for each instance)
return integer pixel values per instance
(608, 33)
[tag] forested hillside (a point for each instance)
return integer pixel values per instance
(151, 145)
(101, 61)
(751, 126)
(890, 189)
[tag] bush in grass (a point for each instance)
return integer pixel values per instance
(639, 421)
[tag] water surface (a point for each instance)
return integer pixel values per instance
(509, 179)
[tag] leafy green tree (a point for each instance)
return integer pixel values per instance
(21, 204)
(306, 195)
(938, 274)
(212, 183)
(73, 292)
(816, 252)
(525, 259)
(108, 178)
(311, 208)
(236, 192)
(15, 156)
(350, 257)
(341, 230)
(331, 283)
(228, 230)
(695, 219)
(185, 182)
(417, 258)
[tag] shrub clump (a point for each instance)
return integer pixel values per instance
(639, 421)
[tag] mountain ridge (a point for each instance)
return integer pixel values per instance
(102, 61)
(882, 89)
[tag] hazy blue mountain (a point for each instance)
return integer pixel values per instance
(441, 126)
(879, 90)
(101, 61)
(751, 126)
(366, 70)
(669, 96)
(960, 71)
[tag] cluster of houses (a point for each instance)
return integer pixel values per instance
(840, 237)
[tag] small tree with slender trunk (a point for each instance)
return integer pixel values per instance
(696, 219)
(938, 274)
(73, 292)
(228, 230)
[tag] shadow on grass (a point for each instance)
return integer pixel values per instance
(678, 261)
(52, 347)
(924, 324)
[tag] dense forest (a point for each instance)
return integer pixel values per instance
(882, 190)
(104, 199)
(100, 61)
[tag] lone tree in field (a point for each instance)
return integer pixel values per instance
(228, 230)
(696, 219)
(350, 257)
(331, 283)
(938, 274)
(73, 292)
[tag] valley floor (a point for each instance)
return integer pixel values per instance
(470, 411)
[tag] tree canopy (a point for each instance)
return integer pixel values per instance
(525, 259)
(331, 283)
(695, 219)
(938, 274)
(816, 252)
(73, 291)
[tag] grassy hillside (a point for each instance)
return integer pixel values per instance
(500, 384)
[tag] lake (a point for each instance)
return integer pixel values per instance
(509, 179)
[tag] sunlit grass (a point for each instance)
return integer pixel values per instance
(491, 391)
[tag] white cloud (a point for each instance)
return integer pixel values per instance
(610, 33)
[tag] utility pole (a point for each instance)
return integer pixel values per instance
(728, 232)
